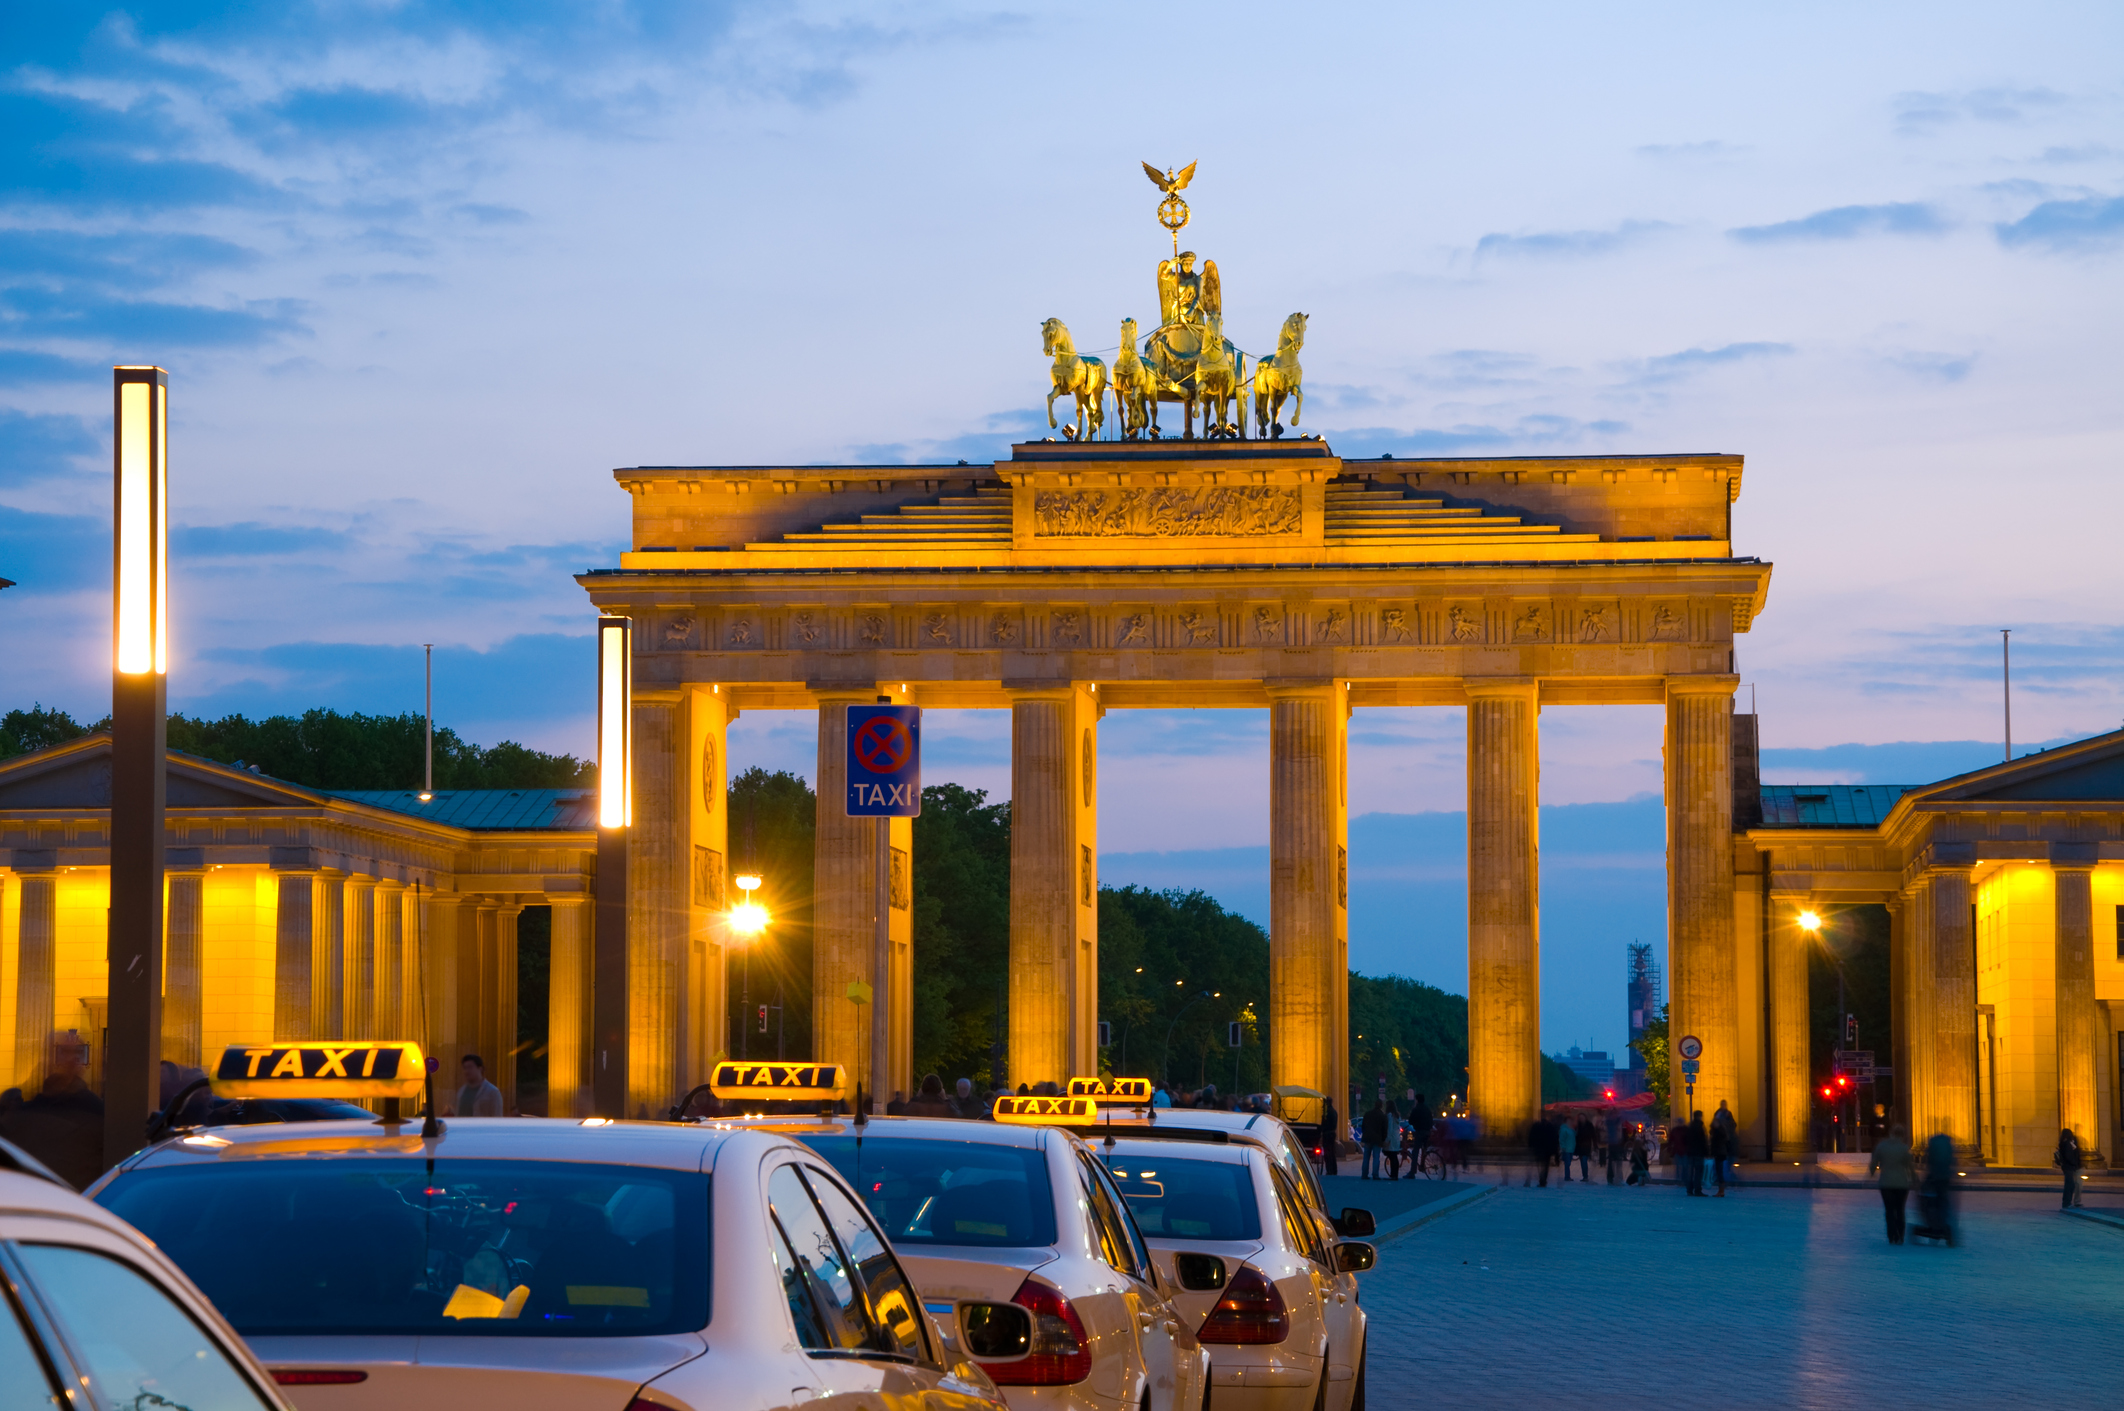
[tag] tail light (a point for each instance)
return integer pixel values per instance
(1060, 1352)
(1251, 1311)
(317, 1377)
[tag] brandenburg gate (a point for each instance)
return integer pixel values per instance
(1162, 571)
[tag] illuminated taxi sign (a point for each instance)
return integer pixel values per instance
(1120, 1091)
(1045, 1111)
(343, 1070)
(798, 1082)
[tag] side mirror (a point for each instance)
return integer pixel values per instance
(1355, 1257)
(1198, 1272)
(995, 1332)
(1357, 1224)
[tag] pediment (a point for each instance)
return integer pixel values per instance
(2090, 770)
(77, 775)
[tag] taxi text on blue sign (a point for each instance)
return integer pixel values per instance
(884, 761)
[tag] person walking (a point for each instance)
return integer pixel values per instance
(1541, 1146)
(1588, 1138)
(1891, 1162)
(477, 1097)
(1936, 1196)
(1330, 1134)
(1640, 1161)
(1615, 1149)
(1725, 1143)
(2069, 1159)
(1392, 1143)
(1696, 1150)
(1371, 1133)
(1566, 1146)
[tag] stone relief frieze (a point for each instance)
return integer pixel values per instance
(1463, 624)
(1268, 624)
(805, 627)
(937, 628)
(871, 628)
(1214, 511)
(744, 633)
(1068, 629)
(1394, 624)
(678, 633)
(1003, 629)
(1593, 624)
(1200, 627)
(1667, 625)
(1531, 625)
(1135, 630)
(1335, 627)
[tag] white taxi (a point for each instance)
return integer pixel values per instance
(528, 1264)
(1269, 1290)
(984, 1213)
(94, 1318)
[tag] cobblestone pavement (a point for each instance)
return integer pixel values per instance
(1599, 1295)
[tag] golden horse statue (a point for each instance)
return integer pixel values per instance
(1081, 377)
(1277, 376)
(1217, 379)
(1135, 387)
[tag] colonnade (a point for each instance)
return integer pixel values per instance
(1054, 889)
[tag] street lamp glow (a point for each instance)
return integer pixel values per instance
(747, 882)
(142, 570)
(1809, 921)
(615, 730)
(748, 918)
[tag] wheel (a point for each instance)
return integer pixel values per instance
(1357, 1392)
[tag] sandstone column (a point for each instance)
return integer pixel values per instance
(1308, 886)
(1700, 953)
(843, 858)
(328, 956)
(1953, 978)
(568, 1007)
(502, 1065)
(1918, 996)
(36, 955)
(2080, 1039)
(389, 1018)
(658, 913)
(475, 983)
(446, 1038)
(360, 975)
(183, 921)
(1053, 884)
(294, 945)
(1504, 908)
(1790, 1061)
(710, 891)
(1899, 1006)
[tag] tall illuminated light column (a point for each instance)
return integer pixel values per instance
(139, 736)
(615, 815)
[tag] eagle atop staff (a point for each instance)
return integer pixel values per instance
(1172, 211)
(1169, 183)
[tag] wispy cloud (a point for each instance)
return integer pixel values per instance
(251, 539)
(38, 445)
(1849, 223)
(1934, 367)
(1569, 243)
(1924, 113)
(1690, 151)
(1527, 433)
(1671, 367)
(2095, 222)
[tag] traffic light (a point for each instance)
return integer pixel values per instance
(1235, 1035)
(1106, 1034)
(1829, 1093)
(1843, 1080)
(763, 1019)
(1851, 1031)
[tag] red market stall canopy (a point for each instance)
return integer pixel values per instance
(1637, 1103)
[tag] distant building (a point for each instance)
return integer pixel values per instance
(1596, 1068)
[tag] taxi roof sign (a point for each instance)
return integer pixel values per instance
(1121, 1091)
(347, 1069)
(796, 1082)
(1045, 1111)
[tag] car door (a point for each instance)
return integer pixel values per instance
(1333, 1307)
(1166, 1367)
(825, 1296)
(1117, 1309)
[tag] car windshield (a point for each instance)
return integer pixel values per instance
(1184, 1199)
(399, 1245)
(947, 1192)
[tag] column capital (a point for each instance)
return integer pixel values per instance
(659, 695)
(1701, 686)
(1286, 688)
(1041, 688)
(1497, 688)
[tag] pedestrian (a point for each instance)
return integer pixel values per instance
(2069, 1159)
(1566, 1146)
(1392, 1145)
(929, 1099)
(1587, 1137)
(1160, 1097)
(1696, 1150)
(1640, 1160)
(963, 1103)
(1936, 1196)
(1615, 1150)
(1725, 1142)
(897, 1107)
(1541, 1146)
(62, 1124)
(1330, 1134)
(1891, 1161)
(1372, 1135)
(478, 1097)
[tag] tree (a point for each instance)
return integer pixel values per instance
(37, 728)
(1659, 1079)
(323, 749)
(773, 824)
(1160, 953)
(961, 934)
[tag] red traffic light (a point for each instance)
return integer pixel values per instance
(1828, 1092)
(1842, 1081)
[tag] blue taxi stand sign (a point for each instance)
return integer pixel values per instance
(884, 766)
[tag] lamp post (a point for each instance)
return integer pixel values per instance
(615, 815)
(139, 749)
(748, 920)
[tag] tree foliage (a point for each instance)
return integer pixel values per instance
(1410, 1034)
(773, 822)
(961, 934)
(1659, 1076)
(1175, 970)
(40, 727)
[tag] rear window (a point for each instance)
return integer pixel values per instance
(456, 1248)
(1183, 1199)
(947, 1192)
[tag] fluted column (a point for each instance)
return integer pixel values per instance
(360, 973)
(1790, 1075)
(1700, 951)
(568, 1007)
(1053, 884)
(2080, 1043)
(36, 955)
(1504, 908)
(503, 1064)
(388, 1018)
(328, 956)
(1953, 1069)
(294, 957)
(1918, 1000)
(184, 915)
(1899, 1005)
(658, 914)
(1308, 886)
(476, 981)
(707, 1009)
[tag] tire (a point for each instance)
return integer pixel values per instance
(1357, 1392)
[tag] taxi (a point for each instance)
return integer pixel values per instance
(1268, 1288)
(531, 1263)
(1019, 1211)
(94, 1317)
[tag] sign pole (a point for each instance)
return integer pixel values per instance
(884, 782)
(881, 965)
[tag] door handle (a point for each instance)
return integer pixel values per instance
(1146, 1317)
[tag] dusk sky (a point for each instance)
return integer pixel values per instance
(424, 274)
